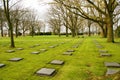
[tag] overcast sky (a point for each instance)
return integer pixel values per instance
(40, 6)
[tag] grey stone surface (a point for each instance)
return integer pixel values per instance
(15, 59)
(67, 53)
(19, 48)
(43, 50)
(99, 46)
(57, 62)
(76, 46)
(56, 45)
(70, 51)
(32, 46)
(47, 43)
(10, 51)
(62, 42)
(105, 54)
(103, 51)
(2, 65)
(112, 64)
(46, 71)
(51, 46)
(37, 45)
(35, 52)
(112, 71)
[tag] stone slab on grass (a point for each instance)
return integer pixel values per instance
(51, 46)
(35, 52)
(57, 62)
(10, 51)
(105, 54)
(2, 65)
(103, 51)
(43, 50)
(76, 46)
(112, 72)
(98, 46)
(112, 64)
(19, 48)
(47, 43)
(15, 59)
(70, 51)
(46, 71)
(37, 45)
(67, 53)
(32, 46)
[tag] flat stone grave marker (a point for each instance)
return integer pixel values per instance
(47, 43)
(37, 45)
(52, 46)
(35, 52)
(67, 53)
(2, 65)
(105, 54)
(56, 45)
(112, 64)
(10, 51)
(19, 48)
(76, 46)
(103, 51)
(57, 62)
(43, 50)
(112, 71)
(46, 71)
(99, 46)
(62, 42)
(32, 46)
(15, 59)
(70, 51)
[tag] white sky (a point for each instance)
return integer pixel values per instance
(39, 5)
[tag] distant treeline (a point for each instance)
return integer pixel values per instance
(50, 33)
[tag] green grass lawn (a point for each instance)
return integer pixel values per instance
(84, 64)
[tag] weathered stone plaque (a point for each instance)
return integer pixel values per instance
(103, 51)
(70, 50)
(76, 46)
(2, 65)
(19, 48)
(43, 50)
(15, 59)
(57, 62)
(98, 46)
(45, 71)
(51, 46)
(105, 54)
(10, 51)
(35, 52)
(112, 71)
(112, 64)
(37, 45)
(67, 53)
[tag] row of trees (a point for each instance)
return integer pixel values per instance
(73, 14)
(15, 20)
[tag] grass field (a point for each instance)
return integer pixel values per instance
(84, 64)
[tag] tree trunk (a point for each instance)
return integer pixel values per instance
(73, 32)
(11, 34)
(2, 29)
(89, 32)
(110, 34)
(66, 31)
(104, 32)
(59, 32)
(16, 29)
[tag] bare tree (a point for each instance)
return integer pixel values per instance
(107, 9)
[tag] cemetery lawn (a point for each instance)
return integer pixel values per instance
(84, 64)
